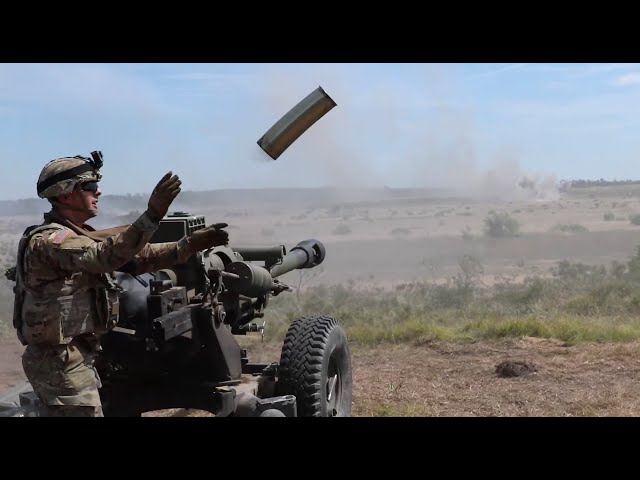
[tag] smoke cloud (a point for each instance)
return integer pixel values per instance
(380, 136)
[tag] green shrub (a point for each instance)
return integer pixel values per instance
(500, 225)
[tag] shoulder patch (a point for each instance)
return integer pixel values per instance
(60, 236)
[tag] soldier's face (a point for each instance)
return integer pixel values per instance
(90, 192)
(84, 199)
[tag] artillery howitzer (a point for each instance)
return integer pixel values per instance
(175, 345)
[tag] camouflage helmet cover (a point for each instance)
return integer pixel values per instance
(61, 175)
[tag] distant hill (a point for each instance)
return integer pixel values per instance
(596, 183)
(191, 200)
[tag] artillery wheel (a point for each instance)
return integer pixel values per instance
(315, 366)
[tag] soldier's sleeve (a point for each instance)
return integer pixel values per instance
(73, 252)
(155, 256)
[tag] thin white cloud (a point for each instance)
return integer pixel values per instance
(197, 76)
(579, 70)
(626, 80)
(506, 68)
(575, 74)
(549, 67)
(606, 67)
(210, 84)
(574, 71)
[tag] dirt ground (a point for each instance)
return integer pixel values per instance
(445, 380)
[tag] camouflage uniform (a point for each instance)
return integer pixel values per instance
(69, 299)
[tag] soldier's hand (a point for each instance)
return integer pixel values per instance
(163, 194)
(211, 236)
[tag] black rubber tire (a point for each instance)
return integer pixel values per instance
(315, 366)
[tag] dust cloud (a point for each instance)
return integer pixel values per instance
(357, 144)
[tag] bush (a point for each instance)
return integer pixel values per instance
(500, 225)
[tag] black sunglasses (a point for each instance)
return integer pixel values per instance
(89, 187)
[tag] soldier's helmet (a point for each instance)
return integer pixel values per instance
(61, 175)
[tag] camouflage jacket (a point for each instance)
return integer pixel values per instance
(64, 277)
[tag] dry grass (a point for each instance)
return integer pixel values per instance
(459, 380)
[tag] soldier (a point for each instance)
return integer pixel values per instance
(65, 294)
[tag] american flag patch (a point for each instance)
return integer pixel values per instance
(59, 237)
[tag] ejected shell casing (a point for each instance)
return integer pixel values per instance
(295, 122)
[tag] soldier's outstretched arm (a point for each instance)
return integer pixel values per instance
(73, 252)
(156, 256)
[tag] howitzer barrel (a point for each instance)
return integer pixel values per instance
(253, 280)
(251, 254)
(307, 254)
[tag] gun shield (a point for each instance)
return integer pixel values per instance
(295, 122)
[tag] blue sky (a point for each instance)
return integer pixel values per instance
(404, 125)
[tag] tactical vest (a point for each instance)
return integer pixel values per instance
(81, 303)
